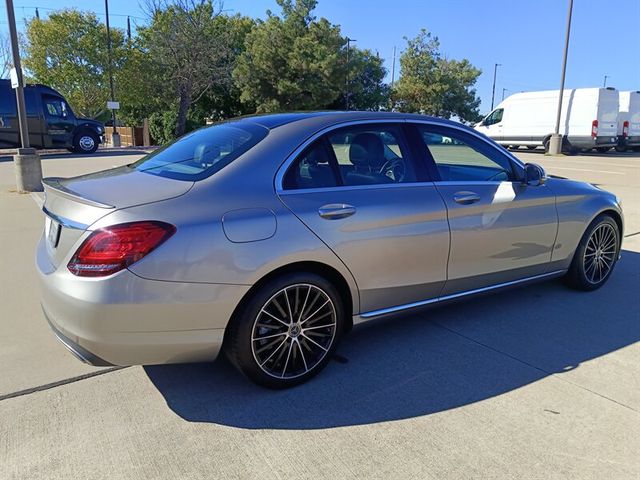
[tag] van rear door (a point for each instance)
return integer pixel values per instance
(607, 115)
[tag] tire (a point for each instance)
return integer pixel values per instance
(602, 149)
(545, 144)
(85, 142)
(253, 340)
(621, 148)
(585, 272)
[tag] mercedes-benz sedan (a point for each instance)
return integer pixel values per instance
(268, 237)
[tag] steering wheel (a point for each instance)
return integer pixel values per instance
(395, 169)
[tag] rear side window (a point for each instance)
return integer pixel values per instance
(202, 153)
(312, 169)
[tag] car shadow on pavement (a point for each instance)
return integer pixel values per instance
(429, 362)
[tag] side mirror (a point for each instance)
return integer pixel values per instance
(534, 175)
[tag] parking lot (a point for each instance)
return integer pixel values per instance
(541, 382)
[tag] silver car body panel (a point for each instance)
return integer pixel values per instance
(404, 246)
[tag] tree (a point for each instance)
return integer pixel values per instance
(367, 90)
(293, 62)
(6, 60)
(432, 84)
(68, 51)
(191, 48)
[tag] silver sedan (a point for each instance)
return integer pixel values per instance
(269, 237)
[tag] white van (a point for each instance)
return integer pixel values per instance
(589, 119)
(629, 122)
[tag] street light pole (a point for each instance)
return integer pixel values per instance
(115, 137)
(347, 83)
(26, 162)
(604, 85)
(493, 90)
(555, 143)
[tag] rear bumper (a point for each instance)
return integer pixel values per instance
(124, 319)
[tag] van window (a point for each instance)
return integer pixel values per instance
(202, 153)
(54, 106)
(8, 102)
(494, 117)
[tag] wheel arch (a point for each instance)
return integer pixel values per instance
(318, 268)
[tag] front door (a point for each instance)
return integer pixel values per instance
(59, 122)
(501, 229)
(360, 191)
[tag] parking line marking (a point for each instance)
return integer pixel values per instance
(60, 383)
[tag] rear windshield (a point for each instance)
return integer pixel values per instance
(202, 153)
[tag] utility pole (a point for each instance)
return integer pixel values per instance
(493, 90)
(393, 67)
(37, 13)
(128, 29)
(26, 162)
(555, 143)
(604, 85)
(347, 80)
(115, 136)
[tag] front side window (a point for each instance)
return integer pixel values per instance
(371, 155)
(494, 117)
(461, 157)
(203, 152)
(55, 107)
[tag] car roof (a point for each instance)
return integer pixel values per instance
(275, 120)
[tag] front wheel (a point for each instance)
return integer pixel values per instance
(85, 142)
(596, 255)
(287, 331)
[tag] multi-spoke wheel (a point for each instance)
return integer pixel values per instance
(596, 254)
(287, 331)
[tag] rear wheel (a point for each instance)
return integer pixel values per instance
(596, 255)
(287, 331)
(621, 148)
(85, 142)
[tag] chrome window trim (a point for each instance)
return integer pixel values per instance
(65, 222)
(344, 188)
(293, 155)
(399, 308)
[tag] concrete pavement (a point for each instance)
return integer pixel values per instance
(541, 382)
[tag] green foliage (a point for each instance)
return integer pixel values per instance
(162, 125)
(68, 51)
(293, 62)
(367, 90)
(435, 85)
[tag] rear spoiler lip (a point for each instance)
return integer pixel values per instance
(54, 184)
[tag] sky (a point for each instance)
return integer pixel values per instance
(525, 36)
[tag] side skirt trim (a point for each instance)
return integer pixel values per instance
(399, 308)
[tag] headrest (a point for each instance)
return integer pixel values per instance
(366, 149)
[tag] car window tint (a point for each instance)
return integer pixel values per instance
(203, 152)
(460, 157)
(371, 155)
(312, 169)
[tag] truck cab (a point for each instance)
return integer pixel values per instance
(50, 119)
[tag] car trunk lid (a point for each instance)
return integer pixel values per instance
(72, 205)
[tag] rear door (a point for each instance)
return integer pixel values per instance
(608, 108)
(501, 229)
(360, 191)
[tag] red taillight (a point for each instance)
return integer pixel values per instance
(111, 249)
(625, 128)
(594, 128)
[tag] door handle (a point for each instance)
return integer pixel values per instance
(466, 198)
(335, 211)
